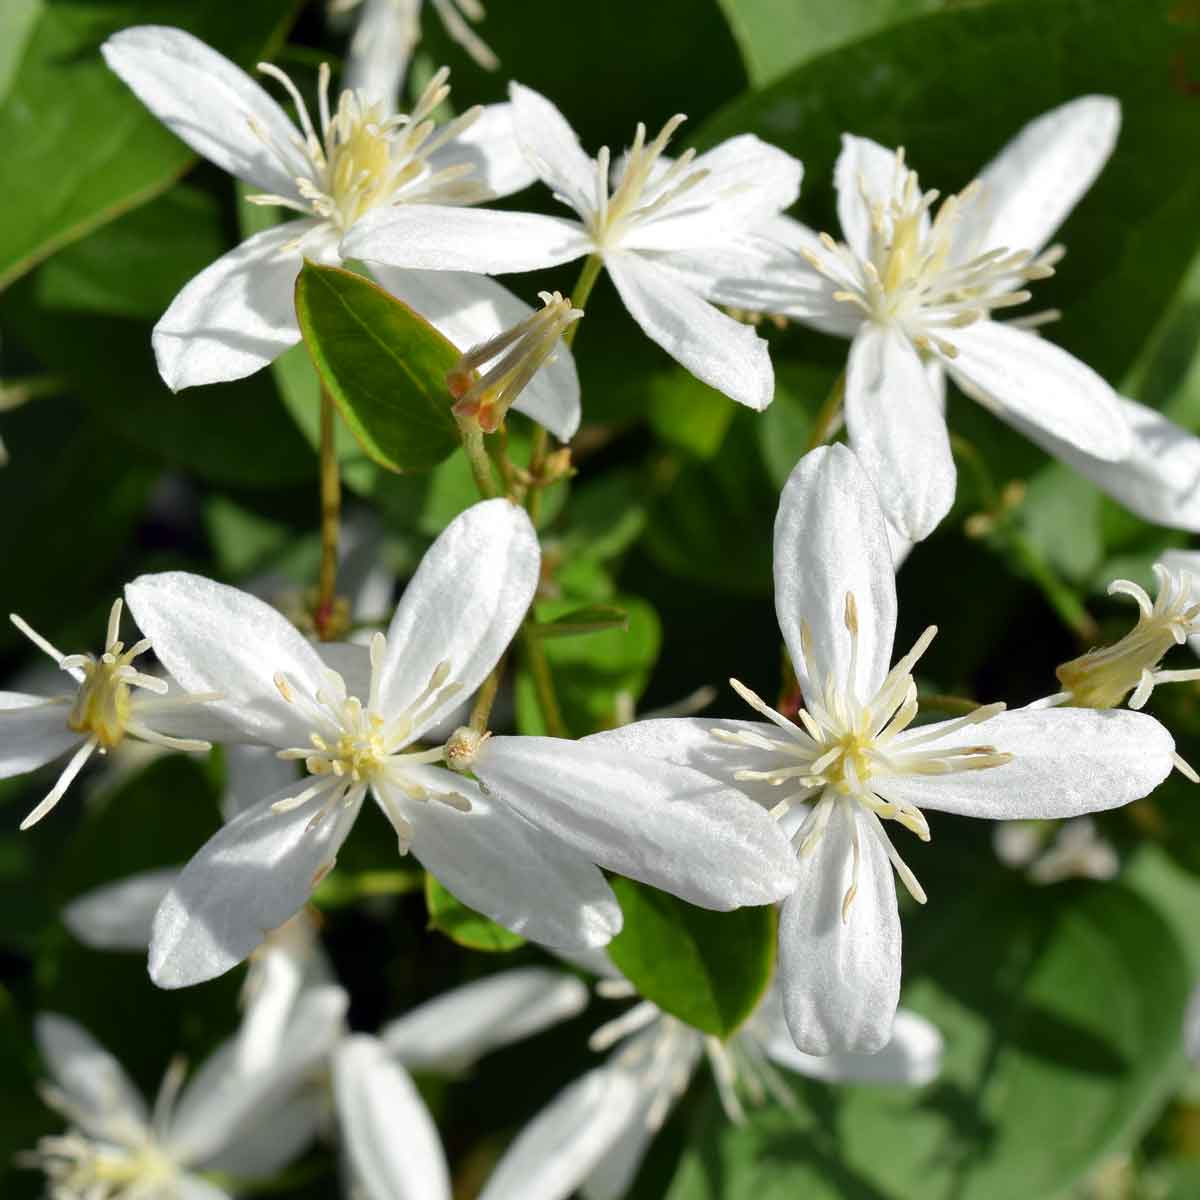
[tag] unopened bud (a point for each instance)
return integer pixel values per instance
(462, 746)
(518, 352)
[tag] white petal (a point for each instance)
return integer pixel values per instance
(462, 607)
(649, 820)
(718, 350)
(865, 174)
(614, 1174)
(193, 1187)
(898, 431)
(560, 1147)
(235, 316)
(747, 182)
(912, 1057)
(33, 731)
(252, 773)
(831, 540)
(552, 148)
(451, 1031)
(272, 1137)
(89, 1076)
(491, 145)
(215, 638)
(247, 879)
(1066, 761)
(390, 1141)
(380, 47)
(1032, 185)
(471, 309)
(690, 742)
(495, 862)
(210, 103)
(840, 979)
(118, 915)
(223, 1103)
(1032, 379)
(436, 237)
(1159, 481)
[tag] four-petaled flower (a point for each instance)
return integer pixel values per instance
(853, 757)
(664, 230)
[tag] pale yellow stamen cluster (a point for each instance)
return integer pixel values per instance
(843, 749)
(353, 745)
(644, 189)
(363, 157)
(911, 275)
(524, 348)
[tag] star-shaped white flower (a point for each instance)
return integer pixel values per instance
(118, 1149)
(522, 853)
(853, 757)
(664, 229)
(593, 1136)
(916, 293)
(109, 700)
(239, 314)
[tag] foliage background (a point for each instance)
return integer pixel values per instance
(1062, 1007)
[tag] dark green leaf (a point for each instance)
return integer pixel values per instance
(384, 365)
(80, 148)
(464, 925)
(709, 969)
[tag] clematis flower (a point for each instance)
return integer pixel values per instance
(593, 1136)
(664, 230)
(238, 315)
(916, 294)
(107, 703)
(387, 31)
(527, 864)
(227, 1120)
(1076, 850)
(853, 758)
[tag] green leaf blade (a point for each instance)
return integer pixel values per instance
(384, 365)
(709, 969)
(463, 925)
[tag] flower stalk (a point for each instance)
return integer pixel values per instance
(331, 510)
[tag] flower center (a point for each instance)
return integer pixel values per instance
(843, 750)
(914, 276)
(363, 157)
(645, 188)
(79, 1168)
(1103, 677)
(353, 745)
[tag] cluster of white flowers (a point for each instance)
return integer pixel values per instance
(785, 808)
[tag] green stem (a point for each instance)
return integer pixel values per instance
(592, 267)
(482, 708)
(956, 705)
(344, 888)
(826, 419)
(331, 509)
(477, 456)
(543, 683)
(969, 454)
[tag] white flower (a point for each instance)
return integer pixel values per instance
(456, 618)
(1076, 851)
(853, 758)
(594, 1135)
(664, 230)
(386, 33)
(107, 703)
(238, 314)
(916, 297)
(247, 1124)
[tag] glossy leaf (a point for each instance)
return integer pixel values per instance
(384, 365)
(464, 925)
(593, 619)
(709, 969)
(80, 148)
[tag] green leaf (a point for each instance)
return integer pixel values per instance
(464, 925)
(1061, 1010)
(595, 618)
(1133, 236)
(80, 148)
(709, 969)
(689, 414)
(777, 35)
(384, 365)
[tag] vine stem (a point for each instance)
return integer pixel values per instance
(331, 511)
(828, 417)
(543, 682)
(477, 456)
